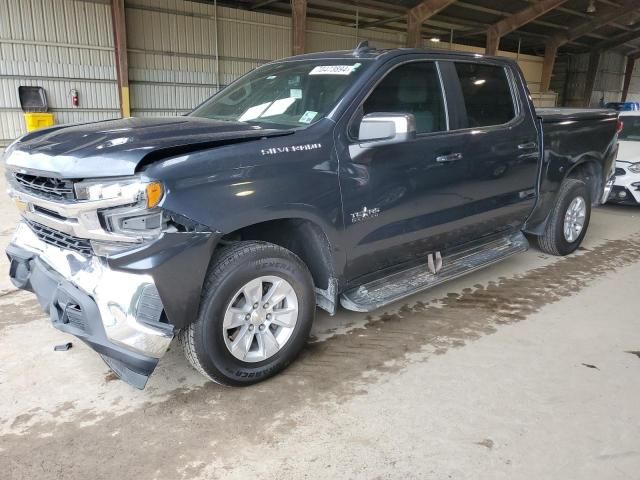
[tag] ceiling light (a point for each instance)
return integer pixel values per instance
(434, 39)
(591, 7)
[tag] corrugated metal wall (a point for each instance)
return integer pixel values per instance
(634, 86)
(173, 60)
(59, 45)
(608, 83)
(172, 51)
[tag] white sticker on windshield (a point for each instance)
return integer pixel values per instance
(295, 92)
(308, 116)
(333, 69)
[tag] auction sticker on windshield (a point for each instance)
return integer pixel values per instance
(333, 69)
(308, 116)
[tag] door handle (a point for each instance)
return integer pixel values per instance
(527, 146)
(452, 157)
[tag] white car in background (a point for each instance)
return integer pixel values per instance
(626, 189)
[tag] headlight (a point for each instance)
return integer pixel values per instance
(137, 217)
(132, 188)
(634, 167)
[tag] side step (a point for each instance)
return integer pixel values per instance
(399, 285)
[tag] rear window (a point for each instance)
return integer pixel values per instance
(630, 128)
(486, 93)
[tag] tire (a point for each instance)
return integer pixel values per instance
(553, 241)
(208, 343)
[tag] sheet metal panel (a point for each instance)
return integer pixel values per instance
(608, 84)
(172, 51)
(59, 45)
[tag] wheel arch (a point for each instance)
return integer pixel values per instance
(589, 170)
(304, 237)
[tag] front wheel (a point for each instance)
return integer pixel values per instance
(256, 311)
(569, 219)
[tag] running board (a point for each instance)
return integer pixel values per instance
(399, 285)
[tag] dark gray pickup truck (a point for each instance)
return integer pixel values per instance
(354, 178)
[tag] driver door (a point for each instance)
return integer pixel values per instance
(402, 201)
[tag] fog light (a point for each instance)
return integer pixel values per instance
(622, 194)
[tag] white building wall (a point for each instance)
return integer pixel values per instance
(59, 45)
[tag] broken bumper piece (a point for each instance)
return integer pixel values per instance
(116, 313)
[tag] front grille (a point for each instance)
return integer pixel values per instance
(62, 240)
(47, 187)
(620, 172)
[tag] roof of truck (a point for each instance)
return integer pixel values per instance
(377, 54)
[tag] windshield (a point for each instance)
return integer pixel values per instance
(630, 128)
(284, 95)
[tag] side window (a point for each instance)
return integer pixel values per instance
(411, 88)
(486, 93)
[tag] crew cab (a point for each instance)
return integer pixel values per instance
(354, 177)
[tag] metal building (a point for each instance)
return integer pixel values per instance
(163, 57)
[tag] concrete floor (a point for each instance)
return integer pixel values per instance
(525, 370)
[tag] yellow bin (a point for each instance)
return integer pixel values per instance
(37, 120)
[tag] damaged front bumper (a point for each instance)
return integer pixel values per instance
(126, 308)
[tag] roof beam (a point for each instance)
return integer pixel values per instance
(265, 3)
(418, 14)
(515, 21)
(618, 40)
(609, 15)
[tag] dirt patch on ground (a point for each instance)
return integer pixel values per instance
(18, 307)
(194, 427)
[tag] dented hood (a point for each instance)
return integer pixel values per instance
(120, 147)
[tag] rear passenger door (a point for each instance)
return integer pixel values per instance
(498, 138)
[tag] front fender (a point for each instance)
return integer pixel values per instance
(178, 263)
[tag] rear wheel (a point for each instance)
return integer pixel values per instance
(569, 219)
(257, 308)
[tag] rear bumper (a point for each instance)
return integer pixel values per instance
(117, 313)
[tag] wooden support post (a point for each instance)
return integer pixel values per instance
(628, 73)
(592, 72)
(517, 20)
(414, 31)
(550, 52)
(299, 15)
(121, 56)
(417, 16)
(493, 41)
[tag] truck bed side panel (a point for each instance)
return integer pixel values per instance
(569, 140)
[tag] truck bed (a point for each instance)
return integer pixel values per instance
(569, 137)
(553, 114)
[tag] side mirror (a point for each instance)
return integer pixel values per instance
(387, 128)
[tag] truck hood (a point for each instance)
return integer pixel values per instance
(629, 151)
(121, 147)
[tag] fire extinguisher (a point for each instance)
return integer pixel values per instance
(75, 101)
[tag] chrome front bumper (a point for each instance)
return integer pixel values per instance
(128, 303)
